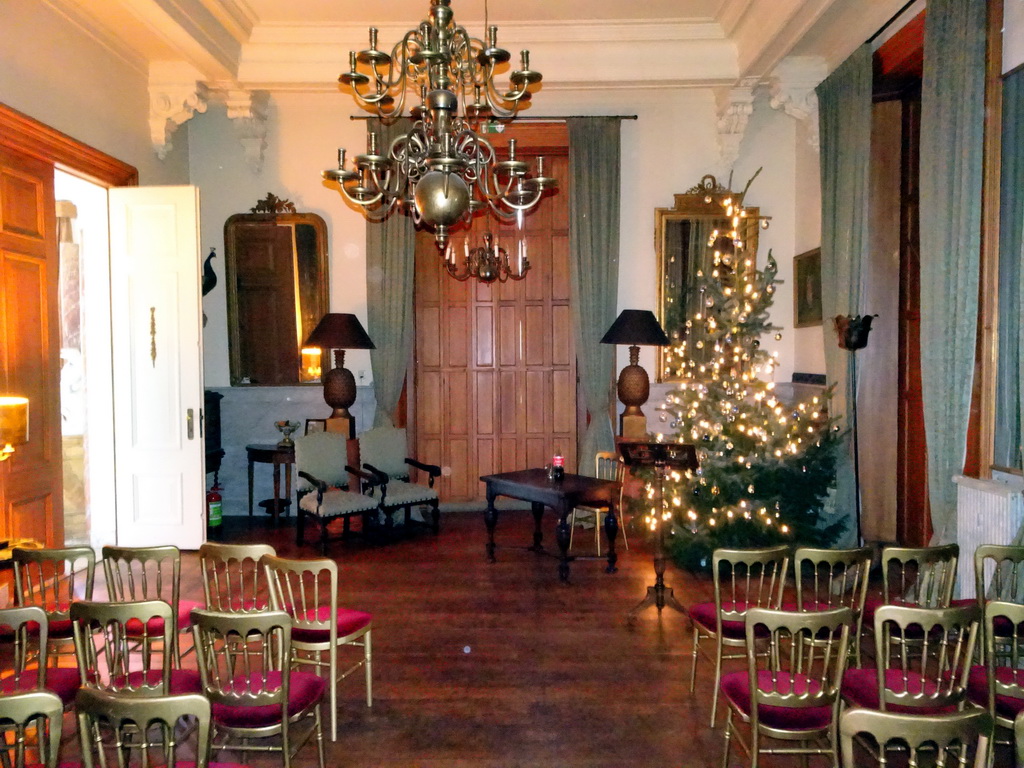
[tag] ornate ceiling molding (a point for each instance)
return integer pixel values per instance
(176, 93)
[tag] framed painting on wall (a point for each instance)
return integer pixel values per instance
(807, 289)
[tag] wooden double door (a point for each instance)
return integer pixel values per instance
(495, 372)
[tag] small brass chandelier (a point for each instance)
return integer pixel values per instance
(442, 171)
(487, 262)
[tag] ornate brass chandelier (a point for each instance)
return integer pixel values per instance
(442, 171)
(487, 262)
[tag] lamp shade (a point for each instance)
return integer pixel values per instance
(339, 331)
(13, 420)
(637, 327)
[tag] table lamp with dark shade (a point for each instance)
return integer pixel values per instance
(339, 331)
(635, 327)
(13, 424)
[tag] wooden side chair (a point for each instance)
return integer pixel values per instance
(53, 579)
(144, 731)
(383, 452)
(24, 634)
(744, 579)
(609, 466)
(149, 573)
(998, 684)
(791, 692)
(128, 648)
(833, 578)
(959, 738)
(322, 490)
(233, 579)
(31, 722)
(933, 649)
(308, 591)
(245, 665)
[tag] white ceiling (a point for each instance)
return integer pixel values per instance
(471, 12)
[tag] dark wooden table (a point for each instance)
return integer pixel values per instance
(562, 496)
(279, 456)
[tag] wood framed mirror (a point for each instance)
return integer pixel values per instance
(682, 241)
(277, 289)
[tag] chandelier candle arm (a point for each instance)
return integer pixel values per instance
(442, 171)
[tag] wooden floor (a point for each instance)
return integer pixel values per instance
(481, 665)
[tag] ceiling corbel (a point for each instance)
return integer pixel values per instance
(176, 93)
(791, 90)
(248, 113)
(734, 107)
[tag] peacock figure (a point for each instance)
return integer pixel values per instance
(209, 277)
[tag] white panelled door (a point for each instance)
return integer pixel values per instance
(157, 361)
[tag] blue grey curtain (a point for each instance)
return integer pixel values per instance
(952, 124)
(390, 257)
(844, 113)
(594, 270)
(1009, 392)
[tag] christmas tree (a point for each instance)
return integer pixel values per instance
(765, 467)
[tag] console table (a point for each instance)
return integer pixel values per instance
(280, 456)
(562, 496)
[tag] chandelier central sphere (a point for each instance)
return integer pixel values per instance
(442, 170)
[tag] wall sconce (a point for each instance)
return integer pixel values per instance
(13, 424)
(635, 327)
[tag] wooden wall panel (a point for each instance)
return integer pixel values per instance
(507, 356)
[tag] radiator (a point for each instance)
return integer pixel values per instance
(987, 512)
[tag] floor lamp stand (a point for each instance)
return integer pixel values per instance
(659, 595)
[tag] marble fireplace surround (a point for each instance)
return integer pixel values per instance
(247, 416)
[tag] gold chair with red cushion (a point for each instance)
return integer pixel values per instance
(145, 731)
(308, 591)
(128, 648)
(921, 577)
(233, 579)
(998, 685)
(933, 648)
(53, 579)
(791, 692)
(149, 573)
(31, 722)
(245, 665)
(25, 632)
(833, 578)
(743, 579)
(960, 738)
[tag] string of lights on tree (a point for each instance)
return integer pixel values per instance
(765, 467)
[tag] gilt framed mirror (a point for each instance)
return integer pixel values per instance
(682, 242)
(277, 291)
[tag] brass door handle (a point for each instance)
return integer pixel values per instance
(190, 426)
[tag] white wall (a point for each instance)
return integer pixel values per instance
(54, 72)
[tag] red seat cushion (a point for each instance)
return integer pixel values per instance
(977, 690)
(156, 625)
(349, 621)
(736, 688)
(63, 681)
(304, 690)
(704, 614)
(860, 689)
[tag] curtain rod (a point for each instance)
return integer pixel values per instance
(530, 118)
(891, 21)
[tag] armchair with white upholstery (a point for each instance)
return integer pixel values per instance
(322, 488)
(382, 451)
